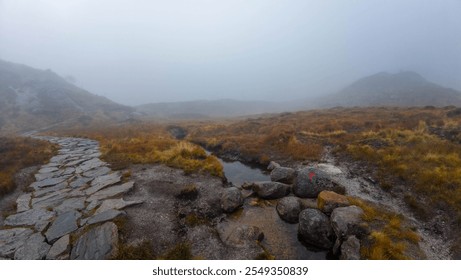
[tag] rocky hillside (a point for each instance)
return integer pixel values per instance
(404, 89)
(32, 98)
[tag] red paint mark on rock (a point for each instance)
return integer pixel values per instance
(311, 175)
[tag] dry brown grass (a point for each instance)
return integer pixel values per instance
(122, 145)
(17, 153)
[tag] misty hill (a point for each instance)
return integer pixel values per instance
(203, 109)
(404, 89)
(32, 98)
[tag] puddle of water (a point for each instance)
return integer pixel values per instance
(280, 238)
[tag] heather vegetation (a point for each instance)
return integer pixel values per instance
(17, 153)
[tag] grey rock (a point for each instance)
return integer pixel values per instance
(60, 249)
(23, 202)
(347, 221)
(350, 249)
(12, 239)
(289, 208)
(271, 190)
(111, 191)
(102, 182)
(29, 217)
(309, 182)
(231, 199)
(97, 244)
(93, 173)
(59, 158)
(34, 248)
(93, 204)
(283, 175)
(116, 204)
(272, 165)
(48, 182)
(64, 224)
(51, 200)
(49, 190)
(75, 203)
(79, 182)
(105, 216)
(68, 171)
(90, 164)
(48, 170)
(75, 162)
(315, 229)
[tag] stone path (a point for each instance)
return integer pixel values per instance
(69, 210)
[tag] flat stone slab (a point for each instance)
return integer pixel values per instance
(105, 216)
(79, 182)
(29, 217)
(90, 164)
(116, 204)
(111, 192)
(48, 170)
(64, 224)
(51, 200)
(74, 203)
(34, 248)
(23, 202)
(49, 190)
(60, 249)
(48, 182)
(93, 173)
(102, 182)
(98, 243)
(12, 239)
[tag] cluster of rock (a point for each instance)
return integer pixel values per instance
(69, 211)
(309, 197)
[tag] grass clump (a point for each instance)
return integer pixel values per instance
(17, 153)
(189, 192)
(142, 251)
(391, 238)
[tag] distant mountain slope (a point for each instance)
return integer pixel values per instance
(32, 98)
(202, 109)
(402, 89)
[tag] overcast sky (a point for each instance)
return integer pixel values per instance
(137, 51)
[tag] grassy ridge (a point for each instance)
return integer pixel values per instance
(17, 153)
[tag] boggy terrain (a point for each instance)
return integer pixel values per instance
(343, 187)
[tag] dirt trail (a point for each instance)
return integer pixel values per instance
(434, 246)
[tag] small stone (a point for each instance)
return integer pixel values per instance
(23, 202)
(289, 208)
(243, 235)
(102, 182)
(97, 244)
(60, 249)
(327, 201)
(93, 204)
(105, 216)
(350, 249)
(231, 199)
(111, 191)
(34, 248)
(64, 224)
(272, 165)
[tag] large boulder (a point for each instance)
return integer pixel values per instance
(347, 221)
(327, 201)
(271, 190)
(283, 175)
(315, 229)
(309, 182)
(350, 249)
(231, 199)
(272, 165)
(289, 208)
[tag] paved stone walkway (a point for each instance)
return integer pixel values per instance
(69, 210)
